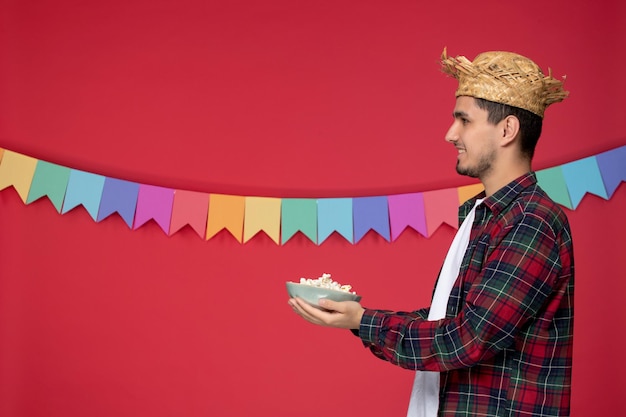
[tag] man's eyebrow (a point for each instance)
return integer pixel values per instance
(459, 114)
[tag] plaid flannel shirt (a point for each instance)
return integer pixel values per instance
(505, 345)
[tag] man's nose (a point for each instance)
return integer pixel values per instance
(452, 135)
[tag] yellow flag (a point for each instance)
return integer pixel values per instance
(17, 170)
(262, 213)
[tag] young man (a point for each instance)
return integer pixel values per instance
(497, 338)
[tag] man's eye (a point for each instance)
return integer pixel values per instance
(464, 121)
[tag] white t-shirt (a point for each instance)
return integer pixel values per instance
(425, 393)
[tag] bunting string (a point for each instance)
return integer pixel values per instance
(282, 218)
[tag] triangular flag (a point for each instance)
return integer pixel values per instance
(17, 170)
(612, 165)
(49, 180)
(441, 206)
(553, 183)
(334, 215)
(154, 203)
(262, 213)
(226, 212)
(1, 153)
(406, 210)
(469, 191)
(83, 188)
(583, 176)
(119, 196)
(298, 214)
(370, 213)
(190, 208)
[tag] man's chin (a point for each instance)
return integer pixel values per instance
(466, 172)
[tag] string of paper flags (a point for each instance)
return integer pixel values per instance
(281, 218)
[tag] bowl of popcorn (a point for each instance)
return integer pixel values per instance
(313, 290)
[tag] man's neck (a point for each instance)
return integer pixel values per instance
(496, 180)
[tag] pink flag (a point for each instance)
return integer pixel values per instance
(190, 208)
(154, 203)
(441, 206)
(406, 210)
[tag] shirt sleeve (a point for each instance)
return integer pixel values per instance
(514, 282)
(371, 324)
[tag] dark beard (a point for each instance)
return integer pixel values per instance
(482, 168)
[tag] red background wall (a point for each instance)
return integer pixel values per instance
(274, 98)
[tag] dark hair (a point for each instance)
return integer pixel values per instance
(530, 123)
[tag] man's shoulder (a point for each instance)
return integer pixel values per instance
(534, 201)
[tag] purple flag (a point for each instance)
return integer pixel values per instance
(119, 196)
(370, 213)
(612, 166)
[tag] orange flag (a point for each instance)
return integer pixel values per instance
(225, 212)
(468, 191)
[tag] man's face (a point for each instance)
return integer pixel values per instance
(474, 138)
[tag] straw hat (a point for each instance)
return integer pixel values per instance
(505, 77)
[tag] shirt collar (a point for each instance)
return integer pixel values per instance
(499, 200)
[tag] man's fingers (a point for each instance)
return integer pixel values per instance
(306, 311)
(331, 305)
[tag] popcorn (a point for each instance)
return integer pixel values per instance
(325, 281)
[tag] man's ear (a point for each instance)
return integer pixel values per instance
(510, 129)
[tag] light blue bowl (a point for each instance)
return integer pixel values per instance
(312, 294)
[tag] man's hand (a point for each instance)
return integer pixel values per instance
(343, 315)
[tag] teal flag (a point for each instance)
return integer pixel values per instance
(298, 215)
(553, 183)
(49, 180)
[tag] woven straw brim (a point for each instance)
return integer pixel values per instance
(505, 77)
